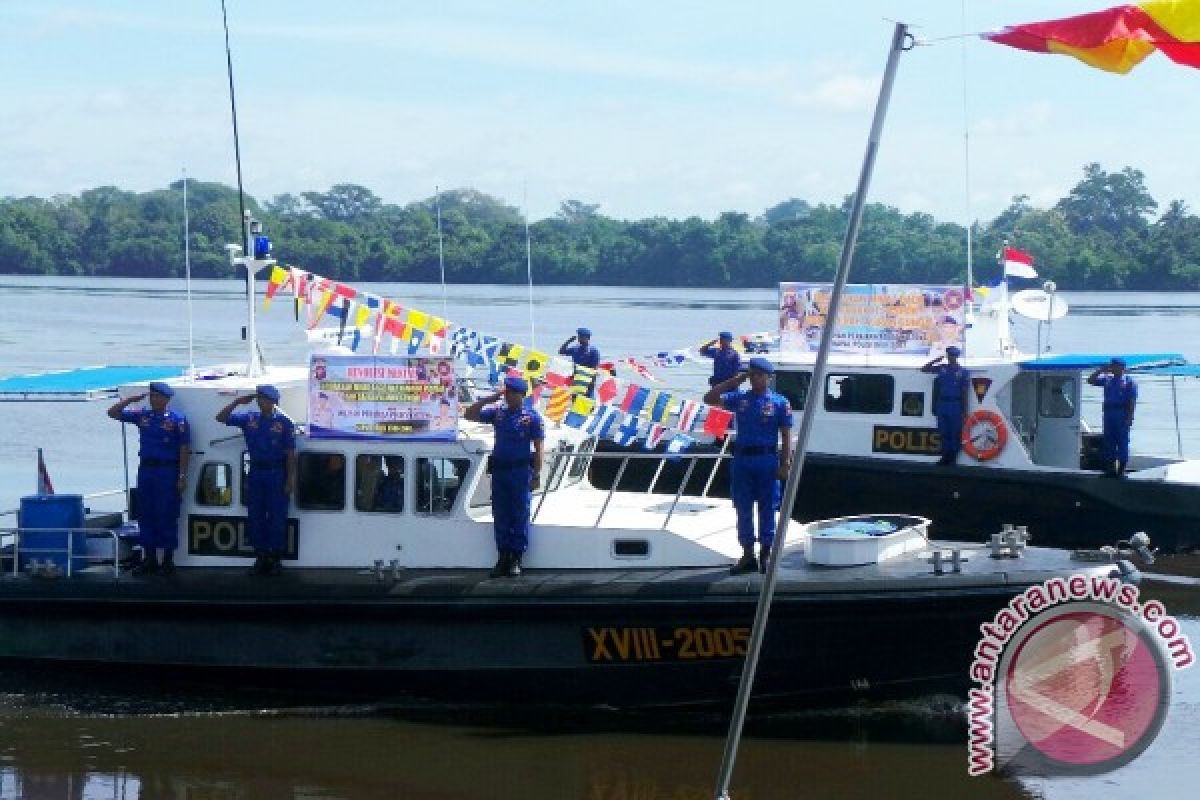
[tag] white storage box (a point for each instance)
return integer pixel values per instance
(864, 539)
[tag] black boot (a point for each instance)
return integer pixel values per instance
(501, 568)
(514, 566)
(149, 565)
(260, 565)
(168, 562)
(274, 564)
(764, 559)
(747, 563)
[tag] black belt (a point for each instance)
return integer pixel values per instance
(509, 463)
(755, 450)
(158, 462)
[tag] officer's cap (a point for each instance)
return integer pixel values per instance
(725, 336)
(158, 387)
(583, 332)
(268, 391)
(515, 383)
(762, 365)
(953, 351)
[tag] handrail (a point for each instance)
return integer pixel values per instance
(89, 496)
(69, 534)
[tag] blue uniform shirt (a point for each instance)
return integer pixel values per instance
(726, 363)
(267, 438)
(514, 430)
(950, 384)
(583, 356)
(1118, 392)
(160, 435)
(759, 416)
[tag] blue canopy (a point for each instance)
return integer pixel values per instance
(1173, 371)
(80, 384)
(1142, 362)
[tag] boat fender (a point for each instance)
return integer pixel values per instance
(984, 435)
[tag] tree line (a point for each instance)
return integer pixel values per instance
(1103, 235)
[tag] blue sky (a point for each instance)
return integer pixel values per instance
(646, 108)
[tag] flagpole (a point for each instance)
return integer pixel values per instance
(901, 41)
(437, 193)
(967, 169)
(528, 262)
(187, 274)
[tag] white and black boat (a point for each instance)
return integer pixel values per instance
(1029, 456)
(626, 599)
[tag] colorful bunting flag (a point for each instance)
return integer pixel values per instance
(556, 406)
(634, 400)
(659, 408)
(716, 422)
(279, 278)
(627, 431)
(689, 412)
(582, 379)
(602, 421)
(679, 443)
(606, 389)
(581, 409)
(654, 436)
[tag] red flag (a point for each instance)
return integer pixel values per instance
(1018, 263)
(606, 390)
(717, 421)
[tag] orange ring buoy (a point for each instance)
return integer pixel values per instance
(989, 446)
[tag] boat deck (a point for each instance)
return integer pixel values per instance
(225, 585)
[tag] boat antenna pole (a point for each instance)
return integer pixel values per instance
(528, 262)
(255, 248)
(187, 276)
(901, 41)
(967, 173)
(437, 194)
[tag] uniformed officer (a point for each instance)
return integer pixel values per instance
(164, 438)
(516, 472)
(762, 456)
(271, 443)
(1120, 401)
(949, 401)
(582, 352)
(727, 362)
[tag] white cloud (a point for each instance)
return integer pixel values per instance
(839, 94)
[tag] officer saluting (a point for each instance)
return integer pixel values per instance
(1120, 401)
(762, 455)
(271, 443)
(727, 362)
(515, 471)
(949, 401)
(582, 352)
(162, 473)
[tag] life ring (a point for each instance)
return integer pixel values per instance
(984, 435)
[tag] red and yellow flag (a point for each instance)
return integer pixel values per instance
(1116, 39)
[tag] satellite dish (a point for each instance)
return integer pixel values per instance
(1039, 305)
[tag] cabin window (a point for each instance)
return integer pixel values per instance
(215, 487)
(379, 483)
(321, 481)
(1056, 396)
(860, 393)
(438, 483)
(912, 404)
(793, 386)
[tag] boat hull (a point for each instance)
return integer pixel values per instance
(678, 641)
(1060, 509)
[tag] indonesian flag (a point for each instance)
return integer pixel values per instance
(1116, 39)
(1018, 263)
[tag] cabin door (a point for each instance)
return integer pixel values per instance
(1056, 437)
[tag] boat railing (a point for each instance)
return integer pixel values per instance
(12, 512)
(12, 549)
(560, 458)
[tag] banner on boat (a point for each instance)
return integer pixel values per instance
(382, 397)
(911, 319)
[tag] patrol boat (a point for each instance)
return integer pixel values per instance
(626, 598)
(1028, 456)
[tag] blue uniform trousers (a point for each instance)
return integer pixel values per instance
(950, 424)
(511, 499)
(158, 507)
(267, 510)
(1116, 438)
(755, 482)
